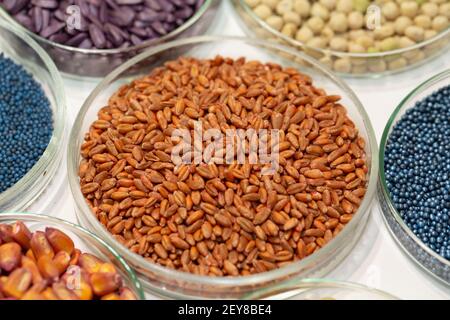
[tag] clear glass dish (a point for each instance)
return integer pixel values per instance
(321, 289)
(18, 46)
(98, 63)
(84, 240)
(418, 251)
(175, 284)
(350, 64)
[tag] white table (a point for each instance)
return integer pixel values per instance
(377, 260)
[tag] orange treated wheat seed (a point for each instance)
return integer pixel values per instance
(223, 219)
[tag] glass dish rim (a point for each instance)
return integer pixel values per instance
(59, 120)
(314, 283)
(27, 216)
(73, 162)
(340, 54)
(404, 103)
(145, 44)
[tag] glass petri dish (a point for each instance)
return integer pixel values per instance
(84, 241)
(372, 65)
(418, 251)
(321, 289)
(19, 47)
(165, 282)
(98, 63)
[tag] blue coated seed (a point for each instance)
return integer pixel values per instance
(417, 168)
(26, 122)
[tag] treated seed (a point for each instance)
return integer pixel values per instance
(17, 283)
(10, 254)
(194, 217)
(40, 245)
(59, 240)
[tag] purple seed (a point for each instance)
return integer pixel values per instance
(149, 15)
(36, 16)
(60, 15)
(83, 5)
(46, 4)
(159, 28)
(128, 2)
(45, 18)
(86, 44)
(142, 33)
(18, 5)
(103, 24)
(76, 40)
(135, 40)
(122, 17)
(153, 4)
(8, 5)
(24, 20)
(59, 37)
(113, 33)
(53, 28)
(97, 36)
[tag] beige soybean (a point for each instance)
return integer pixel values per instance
(355, 20)
(440, 23)
(263, 11)
(302, 7)
(275, 22)
(348, 26)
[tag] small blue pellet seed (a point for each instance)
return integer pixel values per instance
(26, 122)
(417, 166)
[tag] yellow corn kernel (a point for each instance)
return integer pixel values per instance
(59, 240)
(18, 283)
(10, 254)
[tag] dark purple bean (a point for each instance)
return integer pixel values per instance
(112, 4)
(139, 32)
(128, 2)
(53, 28)
(97, 36)
(135, 40)
(45, 18)
(93, 11)
(178, 3)
(153, 4)
(59, 37)
(166, 5)
(46, 4)
(36, 16)
(149, 15)
(184, 13)
(104, 24)
(24, 20)
(18, 5)
(60, 15)
(85, 44)
(83, 5)
(123, 16)
(76, 40)
(159, 28)
(8, 5)
(113, 33)
(103, 13)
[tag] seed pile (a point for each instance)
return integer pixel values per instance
(417, 169)
(26, 123)
(341, 25)
(223, 219)
(47, 266)
(100, 24)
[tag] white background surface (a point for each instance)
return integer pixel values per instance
(377, 261)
